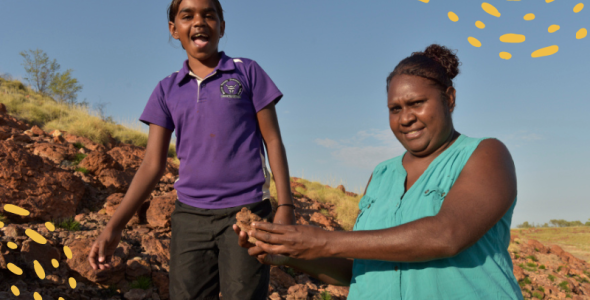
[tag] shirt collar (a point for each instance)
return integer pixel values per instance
(226, 63)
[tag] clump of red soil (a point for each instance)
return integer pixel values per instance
(244, 218)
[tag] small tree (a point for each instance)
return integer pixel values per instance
(64, 88)
(40, 70)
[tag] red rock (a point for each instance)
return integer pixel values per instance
(37, 131)
(98, 161)
(20, 138)
(12, 122)
(161, 281)
(115, 180)
(338, 291)
(159, 248)
(131, 157)
(55, 153)
(86, 142)
(341, 188)
(280, 278)
(32, 251)
(518, 273)
(2, 108)
(137, 268)
(79, 263)
(351, 194)
(160, 210)
(297, 292)
(26, 180)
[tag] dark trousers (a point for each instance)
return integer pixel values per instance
(205, 257)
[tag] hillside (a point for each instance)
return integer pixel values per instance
(75, 183)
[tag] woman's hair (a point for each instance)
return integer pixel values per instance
(437, 63)
(175, 4)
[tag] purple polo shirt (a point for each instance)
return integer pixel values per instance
(218, 140)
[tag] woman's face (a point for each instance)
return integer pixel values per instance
(419, 115)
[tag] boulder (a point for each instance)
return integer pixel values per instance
(79, 263)
(98, 161)
(137, 267)
(160, 210)
(115, 180)
(281, 279)
(32, 251)
(54, 152)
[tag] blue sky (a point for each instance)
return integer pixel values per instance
(330, 59)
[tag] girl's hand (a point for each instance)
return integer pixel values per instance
(285, 215)
(103, 249)
(296, 241)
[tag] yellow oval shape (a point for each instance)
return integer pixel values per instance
(72, 282)
(474, 42)
(39, 269)
(37, 296)
(425, 1)
(68, 252)
(529, 17)
(15, 290)
(11, 245)
(14, 269)
(545, 51)
(35, 236)
(512, 38)
(505, 55)
(549, 1)
(453, 16)
(55, 263)
(60, 298)
(582, 33)
(490, 9)
(16, 210)
(553, 28)
(578, 8)
(1, 224)
(480, 25)
(49, 226)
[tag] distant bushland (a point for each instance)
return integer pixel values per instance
(554, 223)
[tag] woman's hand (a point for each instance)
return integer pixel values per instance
(103, 249)
(253, 250)
(295, 241)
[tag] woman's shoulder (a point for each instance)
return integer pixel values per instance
(390, 163)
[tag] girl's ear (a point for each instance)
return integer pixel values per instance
(451, 94)
(172, 29)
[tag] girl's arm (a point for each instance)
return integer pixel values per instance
(483, 192)
(277, 158)
(143, 183)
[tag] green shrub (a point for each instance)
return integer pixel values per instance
(532, 257)
(516, 256)
(537, 295)
(82, 170)
(68, 224)
(541, 289)
(142, 282)
(78, 145)
(325, 295)
(78, 158)
(524, 281)
(2, 218)
(532, 265)
(551, 278)
(559, 268)
(542, 267)
(564, 287)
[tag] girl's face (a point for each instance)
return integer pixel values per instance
(419, 116)
(198, 27)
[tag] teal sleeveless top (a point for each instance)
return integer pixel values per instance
(482, 271)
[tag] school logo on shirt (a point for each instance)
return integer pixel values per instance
(231, 88)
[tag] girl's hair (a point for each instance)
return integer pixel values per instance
(436, 63)
(175, 4)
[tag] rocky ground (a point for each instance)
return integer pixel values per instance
(77, 185)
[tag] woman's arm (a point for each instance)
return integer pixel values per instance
(277, 158)
(143, 183)
(483, 192)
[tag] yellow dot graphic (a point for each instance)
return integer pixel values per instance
(505, 55)
(512, 38)
(549, 1)
(37, 296)
(582, 33)
(14, 269)
(72, 282)
(35, 236)
(425, 1)
(16, 210)
(39, 270)
(453, 17)
(474, 42)
(578, 8)
(68, 252)
(529, 17)
(553, 28)
(490, 9)
(60, 298)
(545, 51)
(11, 245)
(1, 224)
(49, 226)
(480, 25)
(55, 263)
(15, 290)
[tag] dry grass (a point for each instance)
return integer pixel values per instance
(575, 240)
(45, 112)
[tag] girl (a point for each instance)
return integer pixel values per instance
(434, 223)
(222, 109)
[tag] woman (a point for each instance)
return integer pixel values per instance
(434, 222)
